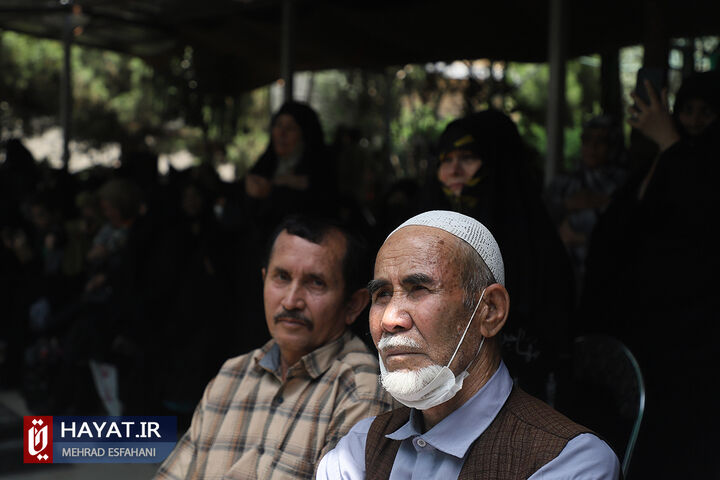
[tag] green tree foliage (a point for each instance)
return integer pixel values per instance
(529, 100)
(29, 79)
(184, 102)
(179, 103)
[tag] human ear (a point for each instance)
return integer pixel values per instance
(496, 310)
(355, 305)
(264, 272)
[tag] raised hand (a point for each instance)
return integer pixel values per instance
(653, 119)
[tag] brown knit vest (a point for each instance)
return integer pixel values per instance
(525, 435)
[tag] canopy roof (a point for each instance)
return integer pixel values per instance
(245, 35)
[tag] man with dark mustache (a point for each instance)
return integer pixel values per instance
(274, 412)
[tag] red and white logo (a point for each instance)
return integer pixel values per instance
(37, 436)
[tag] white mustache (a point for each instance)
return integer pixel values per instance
(388, 341)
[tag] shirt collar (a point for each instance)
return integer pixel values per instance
(314, 364)
(452, 435)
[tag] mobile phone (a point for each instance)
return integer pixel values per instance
(657, 78)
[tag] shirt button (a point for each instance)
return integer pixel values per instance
(421, 443)
(278, 400)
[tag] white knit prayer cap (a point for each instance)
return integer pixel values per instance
(467, 229)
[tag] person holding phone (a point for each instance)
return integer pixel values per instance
(651, 279)
(697, 106)
(696, 111)
(650, 113)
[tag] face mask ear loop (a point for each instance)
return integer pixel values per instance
(466, 329)
(476, 354)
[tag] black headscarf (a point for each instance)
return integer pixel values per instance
(504, 197)
(503, 189)
(704, 86)
(313, 160)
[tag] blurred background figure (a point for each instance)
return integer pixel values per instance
(576, 199)
(651, 277)
(192, 280)
(296, 172)
(108, 321)
(697, 104)
(483, 172)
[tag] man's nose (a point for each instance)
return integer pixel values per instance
(293, 298)
(395, 317)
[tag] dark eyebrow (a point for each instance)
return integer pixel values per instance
(375, 285)
(316, 276)
(417, 279)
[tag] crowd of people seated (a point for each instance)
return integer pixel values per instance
(159, 277)
(111, 267)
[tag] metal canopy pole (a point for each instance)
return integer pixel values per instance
(610, 88)
(656, 49)
(66, 89)
(287, 58)
(556, 87)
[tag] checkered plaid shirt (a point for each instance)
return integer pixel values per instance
(252, 425)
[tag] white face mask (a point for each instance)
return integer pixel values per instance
(445, 384)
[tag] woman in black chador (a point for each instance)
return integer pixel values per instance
(295, 174)
(483, 171)
(652, 278)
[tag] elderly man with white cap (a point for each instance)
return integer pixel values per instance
(438, 304)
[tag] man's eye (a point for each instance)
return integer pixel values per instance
(381, 294)
(318, 283)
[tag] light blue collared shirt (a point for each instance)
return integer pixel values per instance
(440, 452)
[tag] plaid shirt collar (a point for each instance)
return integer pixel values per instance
(314, 364)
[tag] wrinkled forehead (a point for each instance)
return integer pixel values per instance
(466, 230)
(417, 247)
